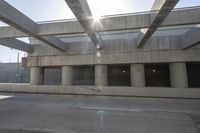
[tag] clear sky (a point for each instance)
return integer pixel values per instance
(45, 10)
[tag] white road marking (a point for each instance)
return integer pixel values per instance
(110, 109)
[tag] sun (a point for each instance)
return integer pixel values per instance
(96, 18)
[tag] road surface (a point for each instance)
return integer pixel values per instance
(35, 113)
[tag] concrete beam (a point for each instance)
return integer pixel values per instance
(82, 12)
(191, 38)
(17, 44)
(140, 57)
(18, 20)
(112, 23)
(165, 7)
(157, 5)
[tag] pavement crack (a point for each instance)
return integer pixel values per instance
(196, 121)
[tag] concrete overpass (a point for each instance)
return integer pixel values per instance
(69, 44)
(16, 19)
(164, 7)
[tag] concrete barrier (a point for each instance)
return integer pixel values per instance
(162, 92)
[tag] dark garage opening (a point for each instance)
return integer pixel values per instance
(84, 75)
(52, 76)
(157, 75)
(193, 72)
(118, 75)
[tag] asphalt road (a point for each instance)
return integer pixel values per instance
(31, 113)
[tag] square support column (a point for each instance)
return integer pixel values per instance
(37, 75)
(67, 75)
(178, 75)
(101, 75)
(137, 75)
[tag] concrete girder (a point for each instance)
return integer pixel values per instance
(17, 44)
(191, 38)
(157, 5)
(153, 56)
(165, 7)
(186, 17)
(82, 12)
(18, 20)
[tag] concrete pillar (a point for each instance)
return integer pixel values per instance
(37, 75)
(67, 75)
(101, 75)
(178, 75)
(137, 75)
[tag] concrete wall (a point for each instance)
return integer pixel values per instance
(116, 51)
(162, 56)
(104, 91)
(119, 47)
(120, 43)
(126, 44)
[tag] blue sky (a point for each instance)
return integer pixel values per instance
(45, 10)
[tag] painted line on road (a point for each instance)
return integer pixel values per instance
(111, 109)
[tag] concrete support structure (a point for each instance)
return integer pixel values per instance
(137, 75)
(37, 75)
(187, 16)
(17, 44)
(191, 38)
(67, 75)
(101, 75)
(74, 39)
(81, 10)
(165, 7)
(178, 75)
(18, 20)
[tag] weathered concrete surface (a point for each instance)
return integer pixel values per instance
(18, 20)
(191, 38)
(112, 23)
(67, 75)
(72, 114)
(117, 58)
(101, 75)
(103, 91)
(81, 10)
(36, 76)
(137, 75)
(17, 44)
(164, 7)
(178, 75)
(124, 45)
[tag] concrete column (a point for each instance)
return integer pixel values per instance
(67, 75)
(37, 75)
(101, 75)
(178, 75)
(137, 75)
